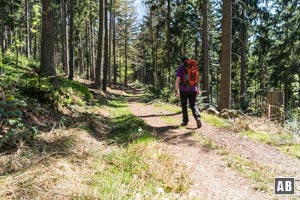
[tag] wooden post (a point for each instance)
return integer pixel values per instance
(275, 106)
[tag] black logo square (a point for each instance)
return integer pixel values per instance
(284, 186)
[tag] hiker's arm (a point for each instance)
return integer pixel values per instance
(198, 86)
(177, 85)
(198, 90)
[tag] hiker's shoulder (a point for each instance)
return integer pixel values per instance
(179, 69)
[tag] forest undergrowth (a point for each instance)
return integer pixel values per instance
(62, 140)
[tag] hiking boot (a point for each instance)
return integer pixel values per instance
(199, 124)
(184, 124)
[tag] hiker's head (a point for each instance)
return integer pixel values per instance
(184, 58)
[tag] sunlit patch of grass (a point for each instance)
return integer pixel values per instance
(284, 142)
(139, 167)
(168, 107)
(258, 136)
(207, 142)
(125, 127)
(292, 150)
(214, 120)
(261, 176)
(142, 170)
(169, 120)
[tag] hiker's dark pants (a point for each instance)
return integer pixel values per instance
(191, 96)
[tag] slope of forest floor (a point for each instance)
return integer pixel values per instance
(118, 147)
(224, 164)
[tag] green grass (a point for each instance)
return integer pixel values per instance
(125, 127)
(258, 136)
(214, 120)
(207, 142)
(261, 176)
(138, 171)
(166, 106)
(169, 120)
(292, 150)
(284, 142)
(139, 167)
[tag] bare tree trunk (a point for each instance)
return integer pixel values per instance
(196, 49)
(2, 30)
(114, 46)
(47, 46)
(71, 44)
(81, 57)
(99, 52)
(126, 58)
(87, 40)
(119, 67)
(169, 41)
(152, 49)
(92, 46)
(64, 30)
(17, 49)
(35, 47)
(225, 95)
(205, 51)
(110, 43)
(27, 17)
(105, 66)
(244, 67)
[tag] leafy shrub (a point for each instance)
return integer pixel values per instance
(12, 126)
(55, 90)
(138, 84)
(21, 87)
(293, 121)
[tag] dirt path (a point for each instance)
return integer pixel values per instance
(212, 178)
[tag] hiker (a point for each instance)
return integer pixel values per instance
(187, 80)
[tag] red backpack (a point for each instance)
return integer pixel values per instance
(191, 74)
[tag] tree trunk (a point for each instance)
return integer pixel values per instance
(64, 30)
(105, 66)
(243, 67)
(205, 51)
(2, 30)
(92, 47)
(17, 49)
(152, 49)
(81, 56)
(110, 43)
(27, 17)
(119, 67)
(114, 46)
(87, 54)
(169, 41)
(71, 44)
(126, 57)
(35, 47)
(99, 52)
(47, 46)
(225, 94)
(196, 49)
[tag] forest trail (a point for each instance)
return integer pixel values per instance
(209, 166)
